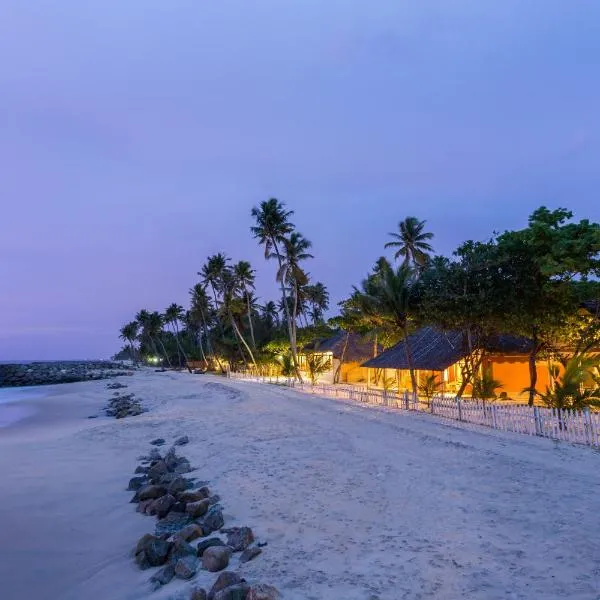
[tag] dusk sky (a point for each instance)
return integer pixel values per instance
(135, 137)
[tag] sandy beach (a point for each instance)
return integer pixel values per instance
(355, 503)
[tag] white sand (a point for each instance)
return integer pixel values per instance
(355, 503)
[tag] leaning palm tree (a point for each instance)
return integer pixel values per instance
(155, 330)
(233, 306)
(412, 242)
(129, 334)
(173, 315)
(271, 229)
(193, 324)
(245, 275)
(201, 306)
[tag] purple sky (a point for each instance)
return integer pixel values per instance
(136, 136)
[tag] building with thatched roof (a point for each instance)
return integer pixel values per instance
(441, 353)
(345, 352)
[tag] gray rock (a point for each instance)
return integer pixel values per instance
(172, 523)
(192, 496)
(135, 483)
(179, 507)
(198, 594)
(216, 558)
(177, 485)
(209, 543)
(141, 470)
(181, 441)
(213, 520)
(155, 550)
(157, 470)
(214, 499)
(233, 592)
(224, 580)
(183, 467)
(239, 538)
(249, 554)
(197, 509)
(163, 576)
(262, 591)
(158, 442)
(191, 532)
(186, 567)
(150, 492)
(180, 549)
(163, 505)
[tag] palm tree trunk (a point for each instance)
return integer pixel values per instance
(209, 344)
(409, 360)
(214, 291)
(336, 377)
(180, 347)
(241, 337)
(164, 352)
(177, 344)
(250, 321)
(287, 315)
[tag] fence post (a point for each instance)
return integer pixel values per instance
(431, 405)
(458, 404)
(406, 399)
(589, 426)
(539, 430)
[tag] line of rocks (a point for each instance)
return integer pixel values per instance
(121, 406)
(48, 373)
(187, 512)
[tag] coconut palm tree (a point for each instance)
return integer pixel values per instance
(295, 250)
(245, 275)
(173, 315)
(385, 299)
(318, 298)
(270, 315)
(272, 227)
(129, 333)
(151, 328)
(193, 324)
(412, 242)
(155, 330)
(201, 307)
(232, 306)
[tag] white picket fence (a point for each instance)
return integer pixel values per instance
(579, 427)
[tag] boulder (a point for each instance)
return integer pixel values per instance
(186, 567)
(144, 505)
(180, 549)
(158, 442)
(163, 505)
(197, 509)
(181, 441)
(171, 459)
(213, 520)
(150, 492)
(198, 594)
(262, 591)
(141, 470)
(183, 467)
(179, 507)
(224, 580)
(135, 483)
(239, 538)
(216, 558)
(163, 576)
(233, 592)
(214, 499)
(192, 496)
(157, 470)
(172, 523)
(177, 485)
(154, 549)
(209, 543)
(191, 532)
(249, 554)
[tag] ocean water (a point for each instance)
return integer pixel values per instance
(12, 409)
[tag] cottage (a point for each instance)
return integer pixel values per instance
(345, 353)
(440, 353)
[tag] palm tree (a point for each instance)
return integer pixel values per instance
(386, 300)
(200, 306)
(272, 227)
(193, 324)
(295, 250)
(212, 273)
(412, 242)
(318, 297)
(245, 276)
(151, 328)
(155, 330)
(173, 315)
(129, 333)
(233, 306)
(270, 315)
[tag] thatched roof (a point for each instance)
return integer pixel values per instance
(431, 349)
(359, 349)
(435, 350)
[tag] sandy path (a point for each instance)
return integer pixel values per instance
(355, 503)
